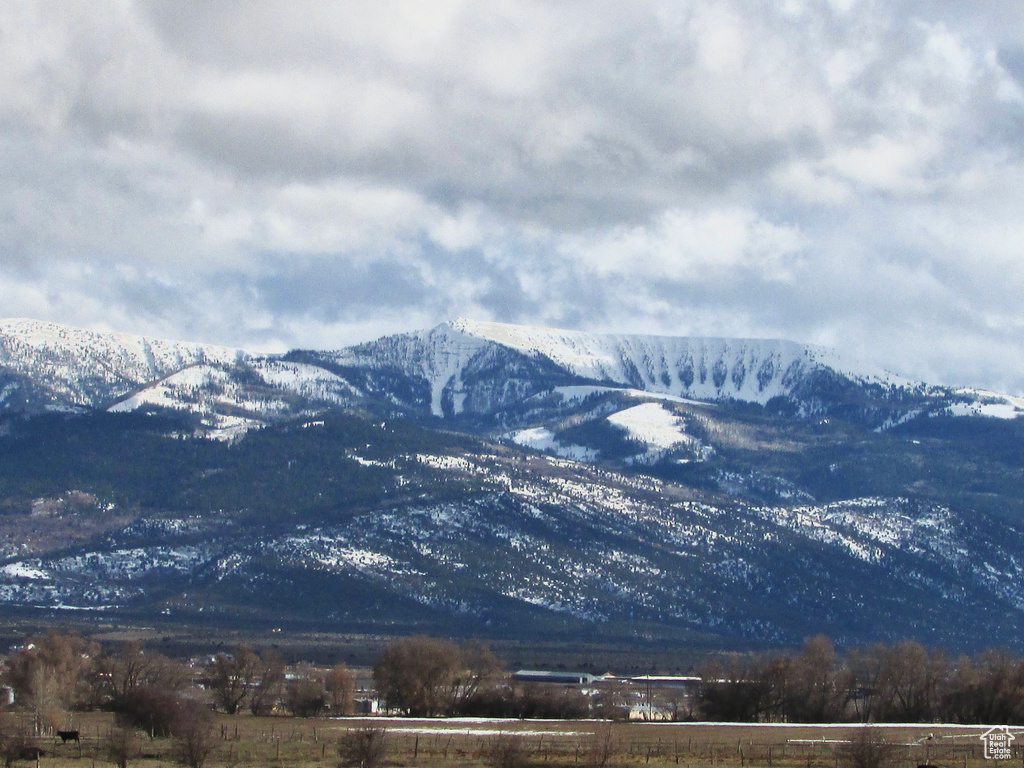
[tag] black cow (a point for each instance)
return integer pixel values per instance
(66, 736)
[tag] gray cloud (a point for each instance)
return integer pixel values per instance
(313, 174)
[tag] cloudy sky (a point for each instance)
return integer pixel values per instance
(300, 173)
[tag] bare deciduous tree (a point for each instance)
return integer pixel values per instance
(341, 689)
(305, 695)
(603, 745)
(193, 742)
(908, 682)
(865, 666)
(363, 748)
(867, 749)
(47, 674)
(985, 689)
(813, 694)
(479, 668)
(267, 691)
(415, 675)
(115, 679)
(736, 689)
(122, 745)
(507, 750)
(426, 676)
(15, 741)
(150, 709)
(231, 677)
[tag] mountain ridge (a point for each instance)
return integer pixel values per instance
(508, 479)
(74, 367)
(460, 368)
(498, 375)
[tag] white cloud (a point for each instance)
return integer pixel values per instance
(683, 245)
(287, 174)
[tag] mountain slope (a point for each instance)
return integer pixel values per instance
(230, 400)
(346, 522)
(446, 371)
(386, 486)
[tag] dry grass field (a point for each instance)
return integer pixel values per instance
(243, 741)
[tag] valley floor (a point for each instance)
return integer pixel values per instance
(356, 649)
(276, 742)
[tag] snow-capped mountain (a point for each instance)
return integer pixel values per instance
(57, 367)
(751, 370)
(485, 369)
(508, 476)
(454, 357)
(492, 375)
(52, 367)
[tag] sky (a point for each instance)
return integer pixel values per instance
(273, 175)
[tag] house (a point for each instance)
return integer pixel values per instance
(365, 706)
(559, 678)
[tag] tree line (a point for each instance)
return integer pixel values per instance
(55, 674)
(900, 683)
(882, 683)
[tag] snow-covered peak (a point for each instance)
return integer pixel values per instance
(706, 368)
(58, 338)
(75, 366)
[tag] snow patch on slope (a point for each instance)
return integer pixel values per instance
(869, 527)
(541, 439)
(985, 403)
(582, 392)
(652, 424)
(23, 571)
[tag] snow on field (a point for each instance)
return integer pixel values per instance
(442, 723)
(972, 730)
(448, 731)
